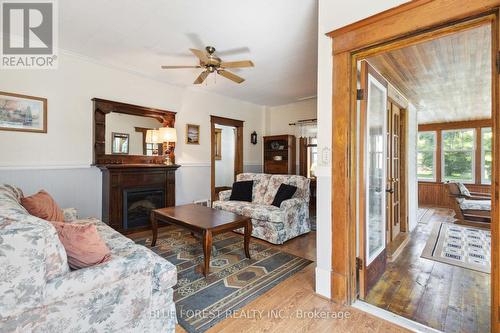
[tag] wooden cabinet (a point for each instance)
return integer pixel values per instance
(279, 154)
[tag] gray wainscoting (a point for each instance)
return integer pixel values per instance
(71, 187)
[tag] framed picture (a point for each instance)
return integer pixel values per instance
(119, 143)
(193, 134)
(23, 113)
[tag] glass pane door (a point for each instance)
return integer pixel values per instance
(375, 161)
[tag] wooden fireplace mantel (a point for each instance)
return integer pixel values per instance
(117, 178)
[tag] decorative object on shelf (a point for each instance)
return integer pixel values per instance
(193, 134)
(279, 154)
(168, 136)
(253, 138)
(218, 144)
(23, 113)
(120, 143)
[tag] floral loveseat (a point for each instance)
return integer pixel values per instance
(39, 293)
(270, 223)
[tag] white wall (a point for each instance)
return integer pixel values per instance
(224, 168)
(333, 14)
(411, 160)
(60, 160)
(279, 117)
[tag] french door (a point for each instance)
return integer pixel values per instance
(393, 187)
(373, 155)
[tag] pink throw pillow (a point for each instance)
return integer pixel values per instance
(83, 244)
(43, 206)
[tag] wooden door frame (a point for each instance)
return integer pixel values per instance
(405, 25)
(238, 156)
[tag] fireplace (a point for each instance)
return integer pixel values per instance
(138, 204)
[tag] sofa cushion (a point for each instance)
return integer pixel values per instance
(82, 243)
(476, 205)
(285, 192)
(463, 190)
(242, 191)
(302, 184)
(252, 210)
(15, 221)
(260, 183)
(43, 206)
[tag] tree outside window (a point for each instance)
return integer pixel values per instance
(486, 156)
(426, 155)
(458, 155)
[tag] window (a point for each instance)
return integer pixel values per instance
(426, 156)
(458, 155)
(312, 157)
(486, 142)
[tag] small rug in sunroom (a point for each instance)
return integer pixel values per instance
(458, 245)
(234, 280)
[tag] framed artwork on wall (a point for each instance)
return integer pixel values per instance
(120, 143)
(23, 113)
(193, 134)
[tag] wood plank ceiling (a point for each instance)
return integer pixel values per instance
(446, 79)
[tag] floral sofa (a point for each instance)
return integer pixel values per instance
(270, 223)
(39, 293)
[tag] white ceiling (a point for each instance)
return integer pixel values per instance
(279, 36)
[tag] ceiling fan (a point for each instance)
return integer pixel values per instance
(213, 64)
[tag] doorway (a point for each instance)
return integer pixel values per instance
(358, 41)
(226, 153)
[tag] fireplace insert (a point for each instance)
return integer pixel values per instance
(138, 204)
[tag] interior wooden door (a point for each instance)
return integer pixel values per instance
(394, 171)
(373, 152)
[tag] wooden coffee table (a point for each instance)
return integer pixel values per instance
(204, 221)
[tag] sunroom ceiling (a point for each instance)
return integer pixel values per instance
(446, 79)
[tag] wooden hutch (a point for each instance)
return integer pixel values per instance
(279, 154)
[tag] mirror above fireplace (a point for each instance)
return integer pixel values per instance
(127, 125)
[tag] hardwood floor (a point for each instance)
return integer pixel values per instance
(446, 297)
(296, 296)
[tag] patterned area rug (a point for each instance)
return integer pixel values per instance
(233, 281)
(463, 246)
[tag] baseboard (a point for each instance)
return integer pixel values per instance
(323, 280)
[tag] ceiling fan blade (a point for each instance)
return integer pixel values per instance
(201, 77)
(230, 76)
(200, 54)
(176, 67)
(236, 64)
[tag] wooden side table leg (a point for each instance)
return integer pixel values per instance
(154, 227)
(248, 235)
(207, 248)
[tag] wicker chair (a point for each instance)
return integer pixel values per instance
(471, 208)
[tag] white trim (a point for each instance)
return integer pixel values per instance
(484, 181)
(44, 167)
(322, 277)
(393, 318)
(195, 164)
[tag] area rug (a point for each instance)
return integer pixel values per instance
(424, 215)
(233, 281)
(463, 246)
